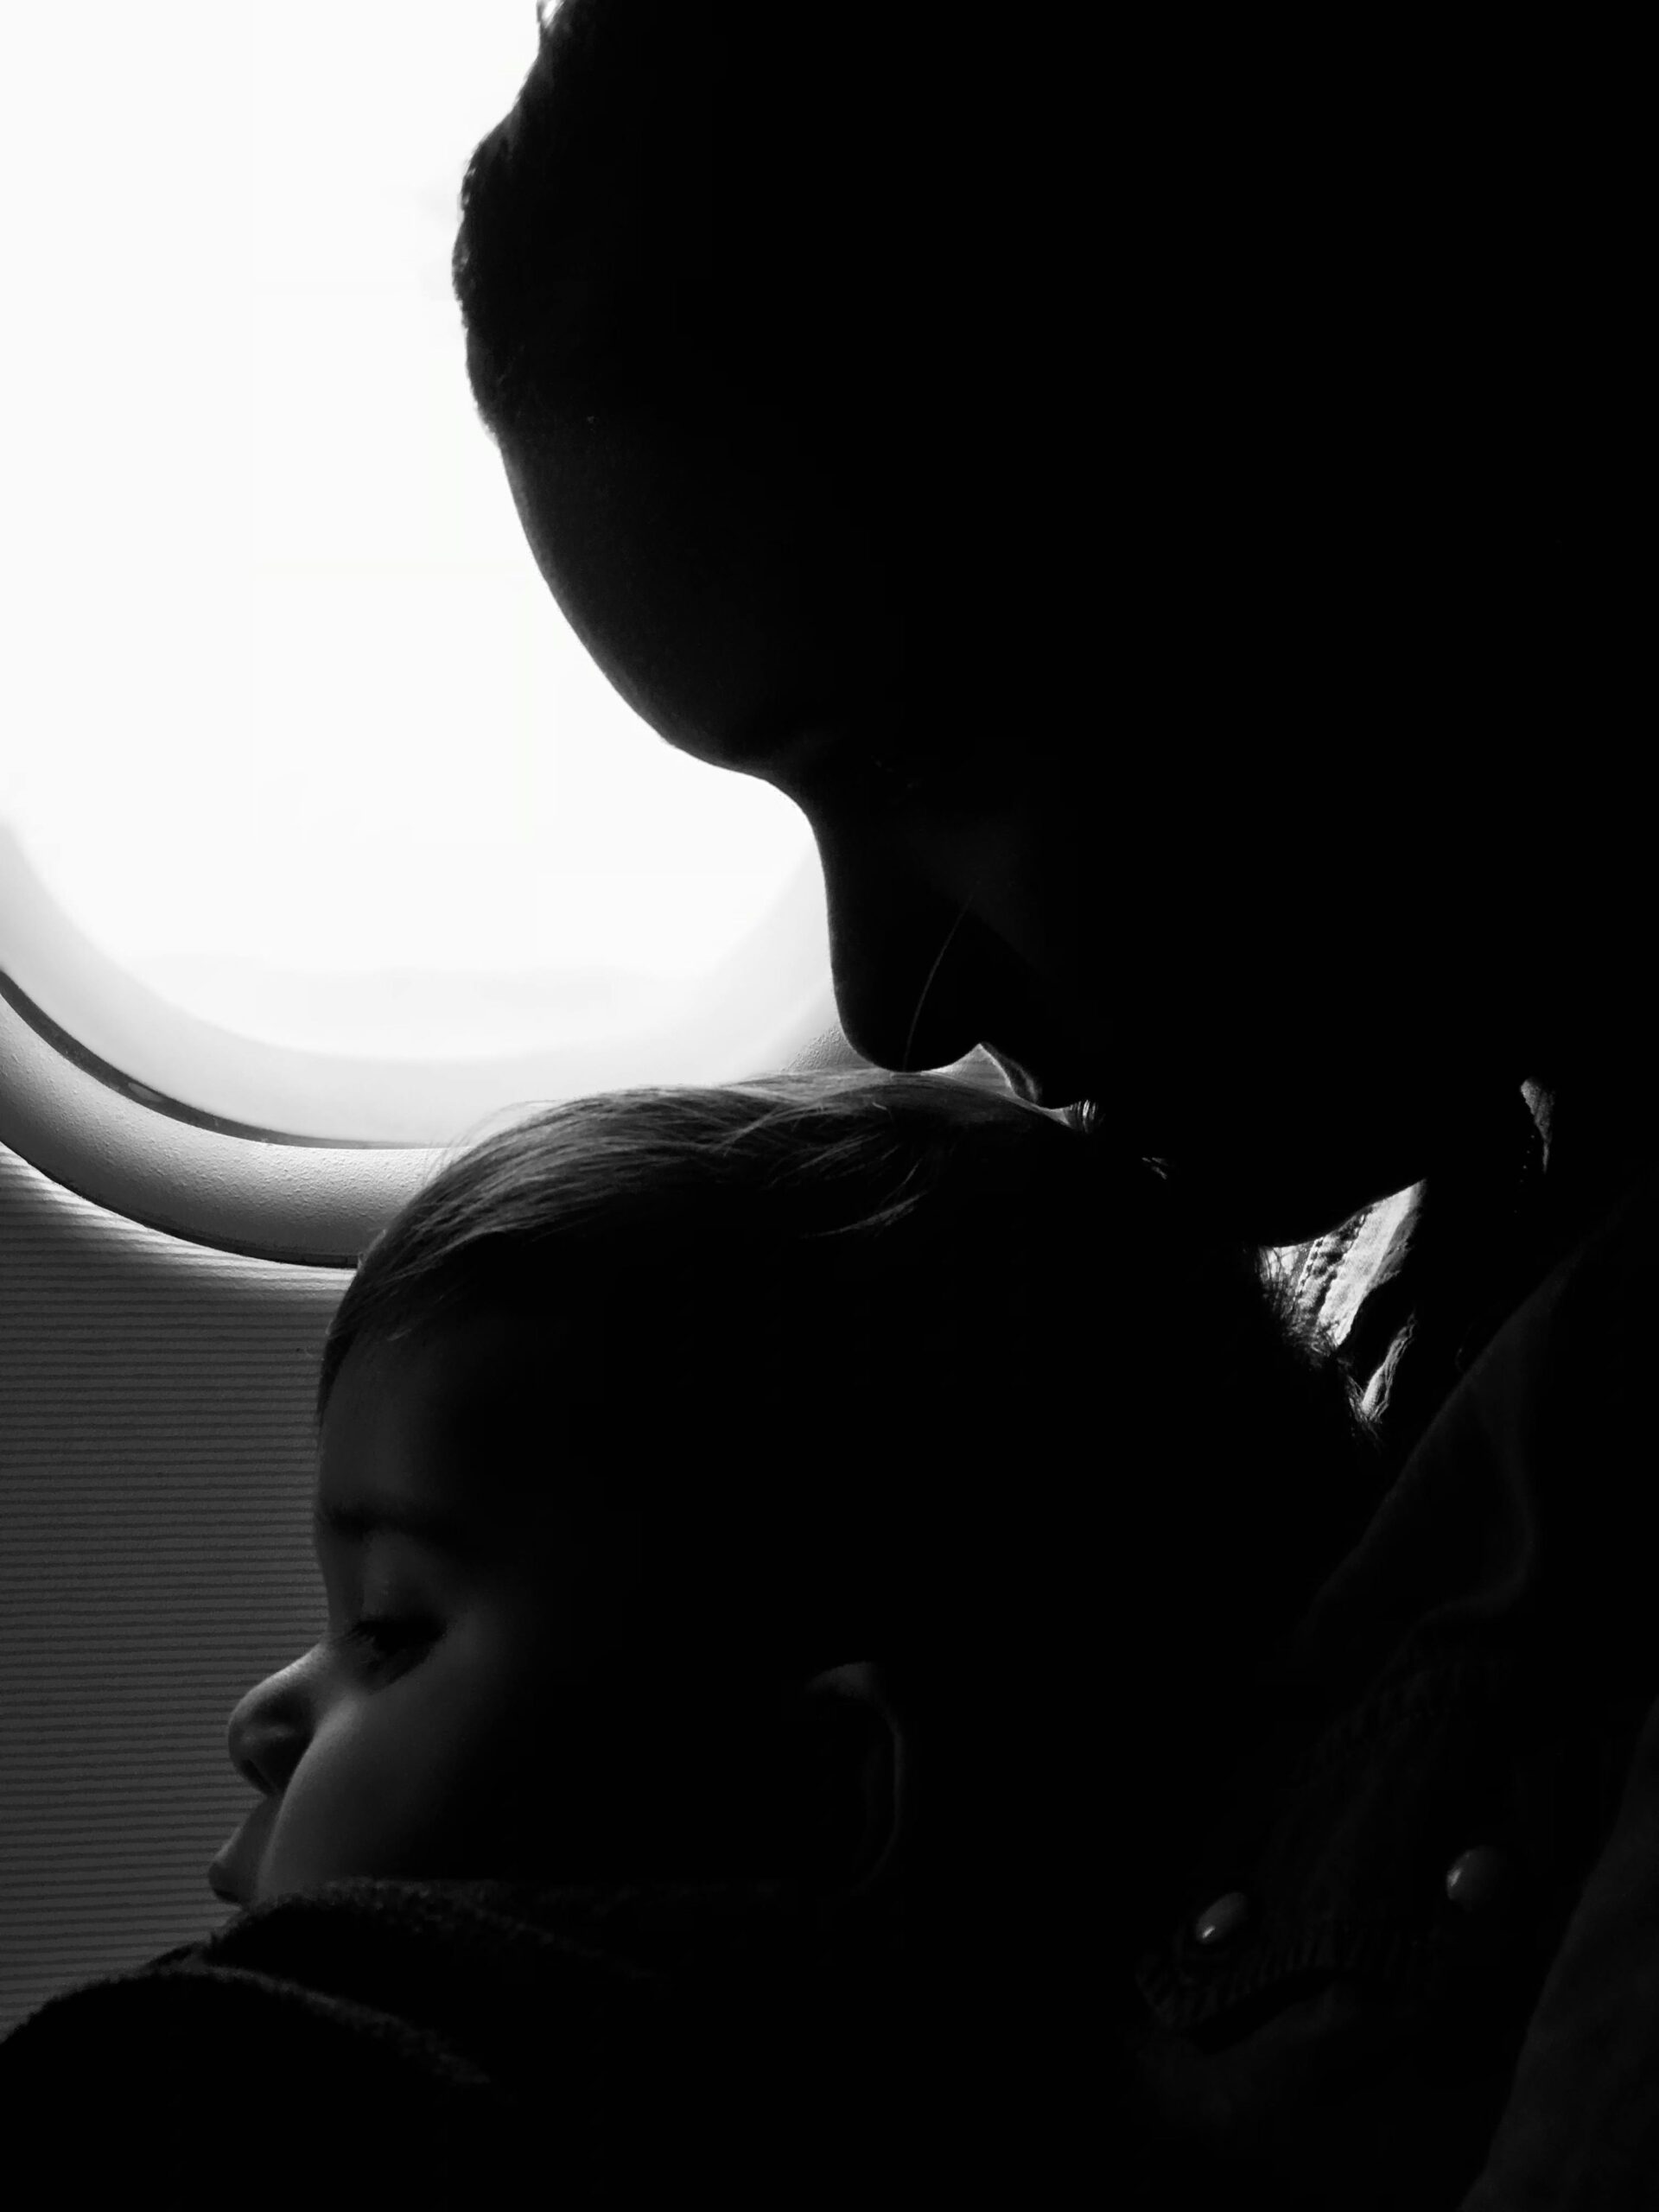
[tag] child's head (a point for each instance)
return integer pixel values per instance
(728, 1389)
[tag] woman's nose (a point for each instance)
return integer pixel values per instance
(921, 979)
(905, 963)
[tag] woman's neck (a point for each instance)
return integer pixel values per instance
(1597, 1123)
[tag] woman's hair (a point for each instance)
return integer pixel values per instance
(739, 195)
(708, 210)
(883, 1362)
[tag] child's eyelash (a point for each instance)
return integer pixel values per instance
(385, 1637)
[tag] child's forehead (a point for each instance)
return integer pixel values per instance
(461, 1368)
(474, 1410)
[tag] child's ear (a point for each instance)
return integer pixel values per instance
(854, 1781)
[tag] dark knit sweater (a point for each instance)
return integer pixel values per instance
(484, 2042)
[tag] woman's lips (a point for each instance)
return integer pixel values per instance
(1057, 1085)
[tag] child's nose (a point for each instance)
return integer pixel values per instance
(260, 1735)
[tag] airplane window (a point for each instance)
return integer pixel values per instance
(302, 756)
(316, 821)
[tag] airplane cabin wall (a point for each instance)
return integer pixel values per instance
(155, 1473)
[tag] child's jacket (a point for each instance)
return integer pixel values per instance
(402, 2042)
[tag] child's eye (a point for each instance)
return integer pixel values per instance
(386, 1639)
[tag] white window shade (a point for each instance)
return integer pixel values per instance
(314, 812)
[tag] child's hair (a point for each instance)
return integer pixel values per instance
(892, 1366)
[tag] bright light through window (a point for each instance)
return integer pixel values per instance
(285, 702)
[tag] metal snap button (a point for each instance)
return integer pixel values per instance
(1478, 1878)
(1223, 1918)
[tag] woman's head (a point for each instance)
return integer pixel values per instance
(725, 1394)
(1145, 525)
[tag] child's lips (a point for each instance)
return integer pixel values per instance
(231, 1875)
